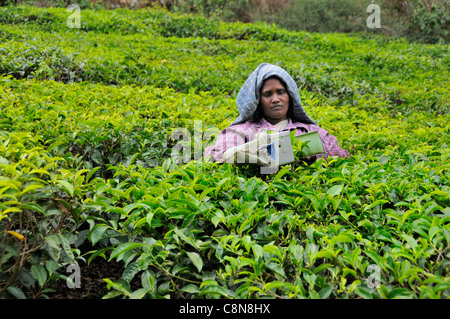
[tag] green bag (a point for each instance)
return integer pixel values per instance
(313, 143)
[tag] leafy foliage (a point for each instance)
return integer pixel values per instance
(86, 172)
(417, 20)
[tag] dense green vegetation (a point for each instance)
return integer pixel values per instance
(86, 172)
(417, 20)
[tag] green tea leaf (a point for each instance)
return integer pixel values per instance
(66, 246)
(121, 249)
(16, 292)
(276, 268)
(257, 250)
(148, 281)
(91, 173)
(271, 249)
(51, 266)
(196, 260)
(400, 293)
(325, 292)
(138, 294)
(130, 207)
(383, 291)
(215, 290)
(363, 293)
(130, 271)
(411, 241)
(272, 285)
(31, 188)
(281, 173)
(96, 234)
(53, 241)
(185, 238)
(191, 288)
(39, 273)
(67, 187)
(335, 190)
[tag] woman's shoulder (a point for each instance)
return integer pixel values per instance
(308, 127)
(246, 125)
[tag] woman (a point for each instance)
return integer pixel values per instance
(268, 101)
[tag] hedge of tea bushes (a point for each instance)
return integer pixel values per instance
(337, 69)
(218, 230)
(85, 161)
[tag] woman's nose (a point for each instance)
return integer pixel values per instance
(275, 98)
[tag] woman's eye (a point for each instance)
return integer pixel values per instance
(269, 93)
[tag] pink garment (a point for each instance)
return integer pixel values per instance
(239, 134)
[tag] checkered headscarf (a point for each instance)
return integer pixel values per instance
(248, 97)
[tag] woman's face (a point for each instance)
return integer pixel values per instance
(274, 101)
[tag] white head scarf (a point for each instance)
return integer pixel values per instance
(248, 97)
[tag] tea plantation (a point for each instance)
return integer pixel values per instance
(86, 172)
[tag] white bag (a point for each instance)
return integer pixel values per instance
(253, 152)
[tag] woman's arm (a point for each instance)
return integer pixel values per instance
(237, 135)
(227, 139)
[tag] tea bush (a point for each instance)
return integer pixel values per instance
(86, 167)
(338, 69)
(417, 20)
